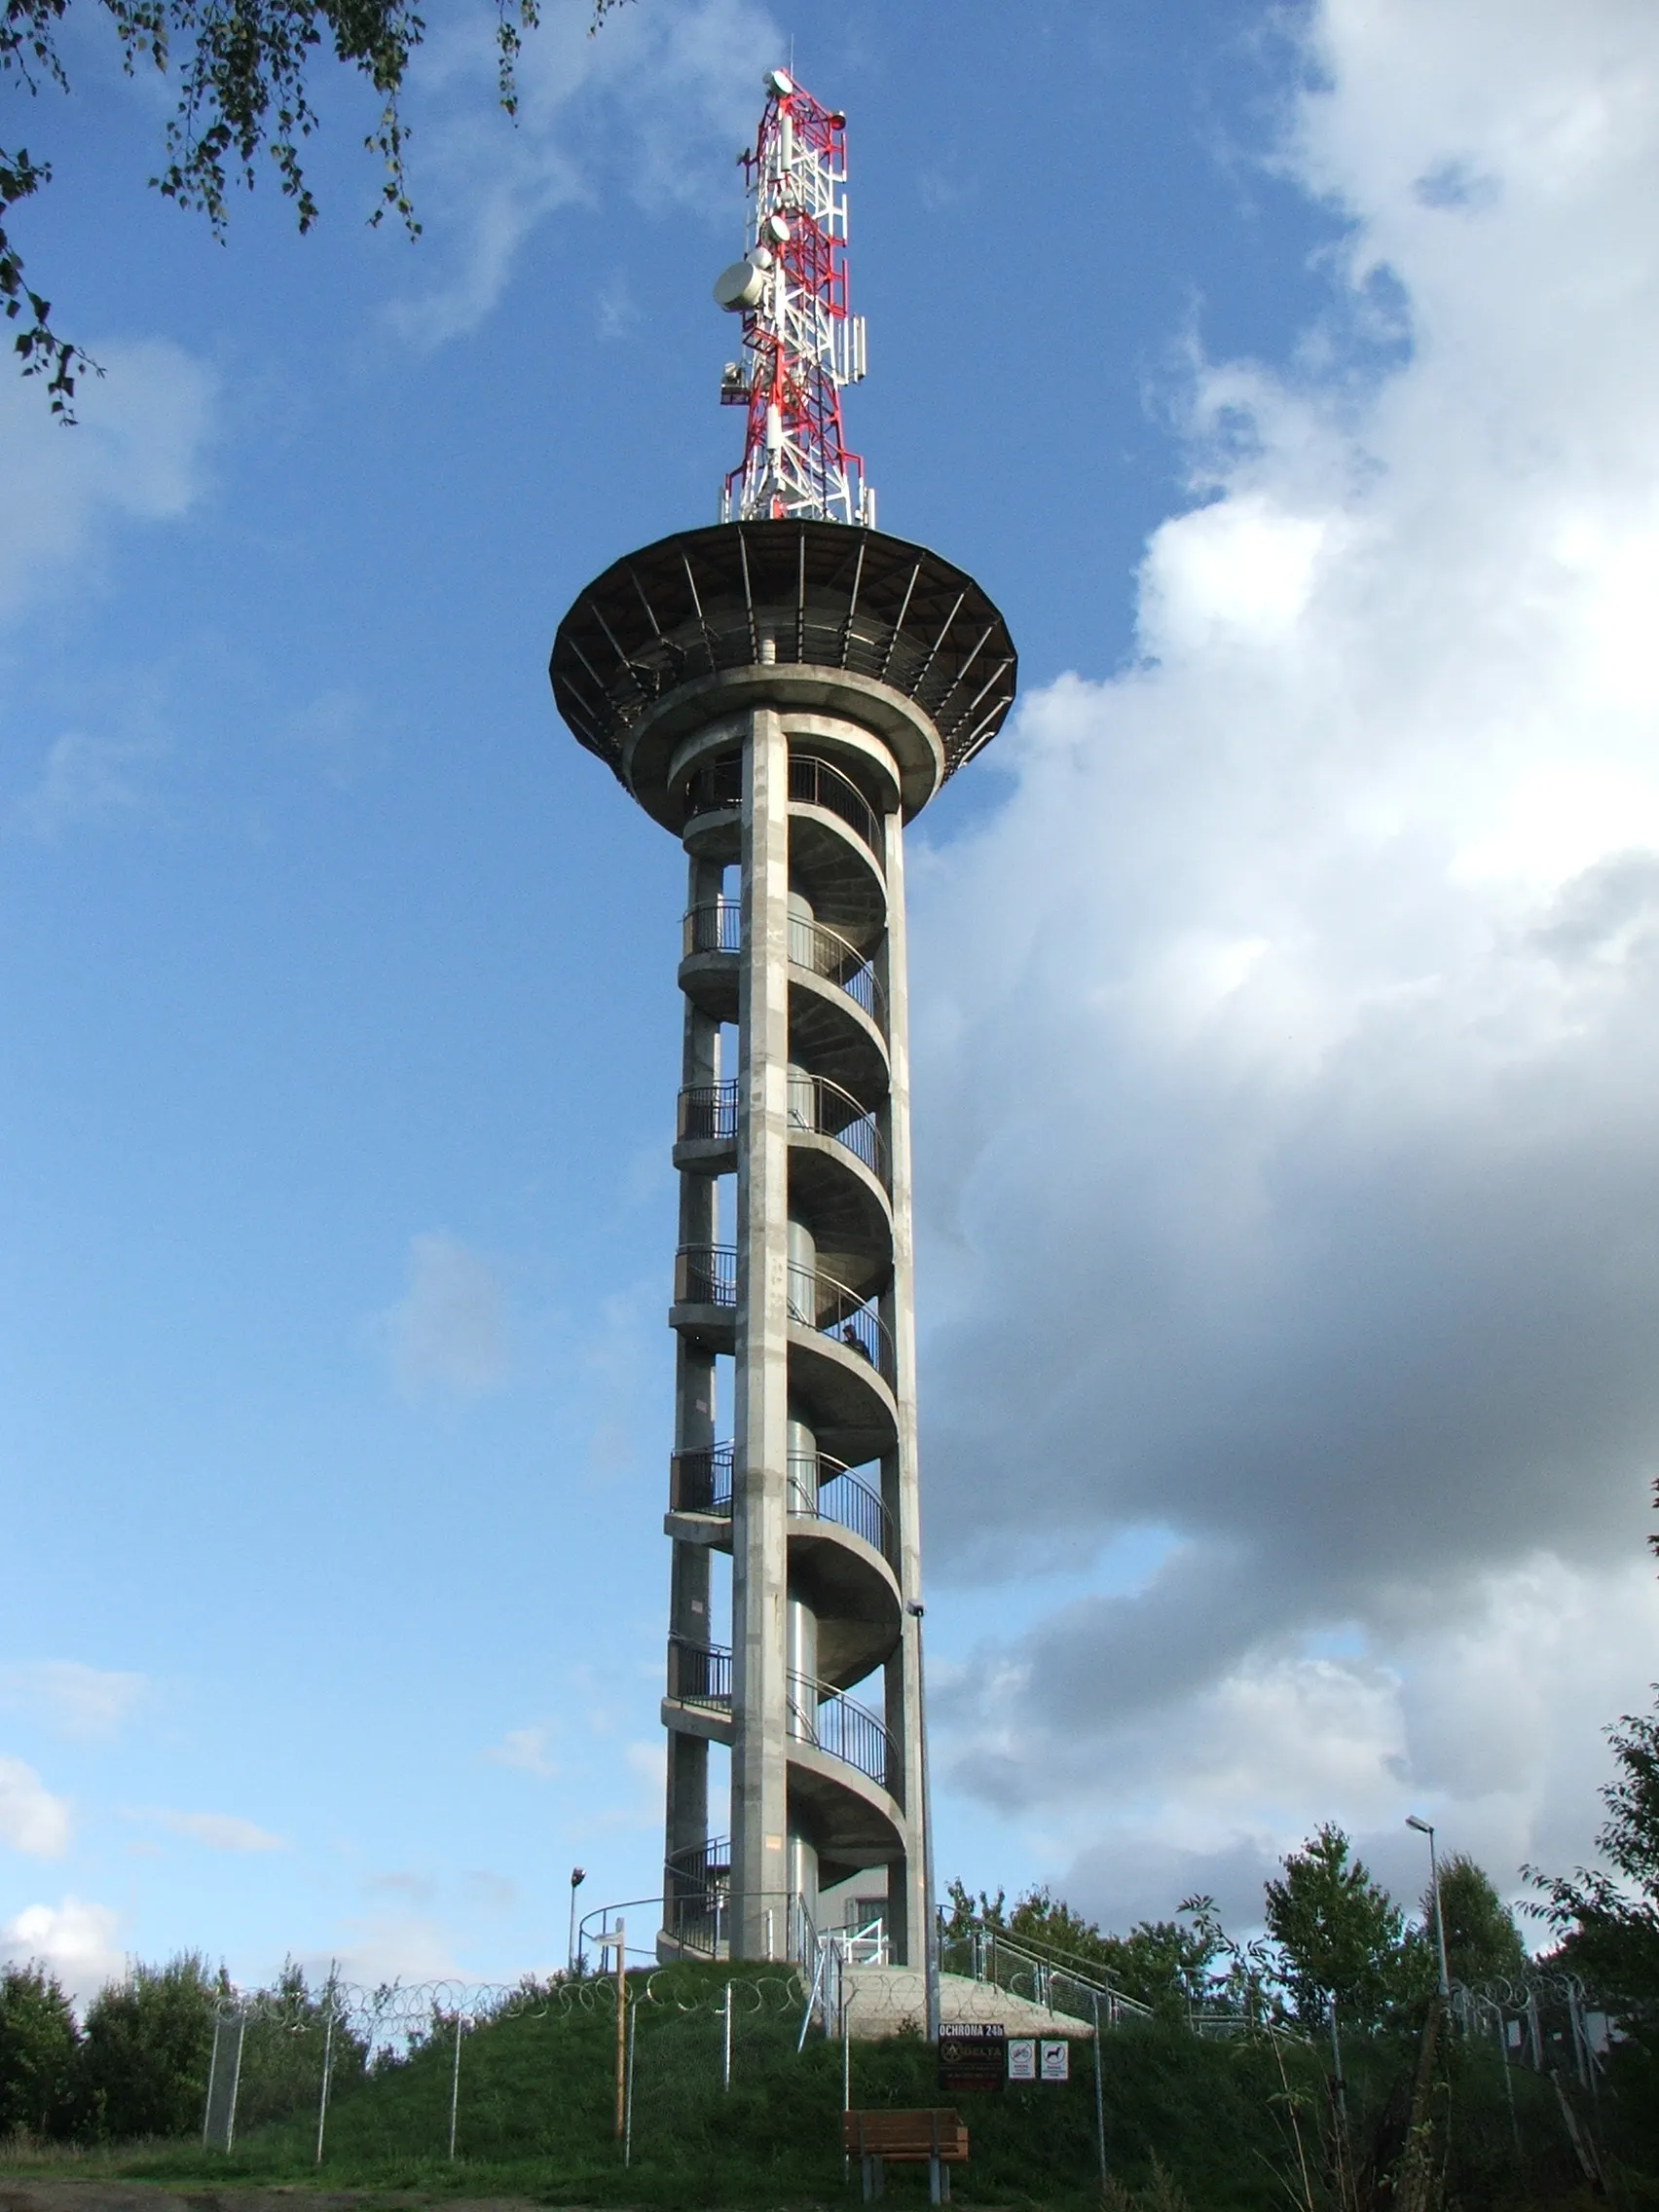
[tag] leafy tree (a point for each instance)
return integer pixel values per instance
(1049, 1918)
(37, 2051)
(1609, 1922)
(1158, 1962)
(284, 2048)
(243, 83)
(142, 2063)
(966, 1914)
(1338, 1932)
(1482, 1940)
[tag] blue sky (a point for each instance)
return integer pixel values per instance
(1284, 974)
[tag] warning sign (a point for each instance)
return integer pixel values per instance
(1021, 2059)
(1054, 2059)
(972, 2054)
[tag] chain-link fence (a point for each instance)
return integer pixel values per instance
(289, 2056)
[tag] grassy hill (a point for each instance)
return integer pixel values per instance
(1221, 2127)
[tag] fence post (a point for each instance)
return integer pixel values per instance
(219, 2122)
(327, 2066)
(846, 2071)
(455, 2081)
(1099, 2094)
(212, 2077)
(725, 2040)
(628, 2112)
(621, 2030)
(1508, 2084)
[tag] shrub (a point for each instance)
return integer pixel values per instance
(142, 2063)
(37, 2053)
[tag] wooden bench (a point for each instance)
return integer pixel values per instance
(937, 2140)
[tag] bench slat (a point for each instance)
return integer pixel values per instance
(905, 2136)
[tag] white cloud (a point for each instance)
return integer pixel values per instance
(84, 778)
(219, 1831)
(449, 1330)
(530, 1749)
(388, 1947)
(137, 452)
(74, 1698)
(655, 104)
(1284, 1045)
(338, 730)
(31, 1819)
(74, 1939)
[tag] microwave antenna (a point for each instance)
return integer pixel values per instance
(801, 346)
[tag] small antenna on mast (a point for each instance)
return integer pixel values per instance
(800, 345)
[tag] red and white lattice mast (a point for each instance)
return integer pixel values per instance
(800, 345)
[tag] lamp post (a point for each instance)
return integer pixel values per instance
(578, 1875)
(930, 1952)
(1426, 1827)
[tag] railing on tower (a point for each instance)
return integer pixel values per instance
(705, 1274)
(825, 1110)
(831, 1721)
(708, 1112)
(700, 1482)
(697, 1894)
(699, 1673)
(819, 1302)
(820, 1488)
(718, 789)
(826, 953)
(716, 927)
(715, 789)
(816, 783)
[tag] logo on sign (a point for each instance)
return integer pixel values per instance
(970, 2054)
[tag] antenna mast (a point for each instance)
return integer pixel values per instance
(800, 345)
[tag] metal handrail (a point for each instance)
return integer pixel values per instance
(704, 1864)
(700, 1482)
(822, 1489)
(826, 953)
(831, 1721)
(824, 1108)
(716, 788)
(699, 1673)
(815, 783)
(705, 1274)
(819, 1302)
(819, 1489)
(709, 1111)
(714, 927)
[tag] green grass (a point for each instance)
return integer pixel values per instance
(535, 2114)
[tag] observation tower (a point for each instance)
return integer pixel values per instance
(782, 692)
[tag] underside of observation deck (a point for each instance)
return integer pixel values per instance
(786, 596)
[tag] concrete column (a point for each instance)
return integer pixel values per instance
(758, 1786)
(687, 1823)
(802, 1632)
(908, 1903)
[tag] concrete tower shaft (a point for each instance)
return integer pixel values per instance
(784, 696)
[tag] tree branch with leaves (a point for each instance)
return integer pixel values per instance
(243, 72)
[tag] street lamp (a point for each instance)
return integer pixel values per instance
(578, 1875)
(930, 1917)
(1426, 1827)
